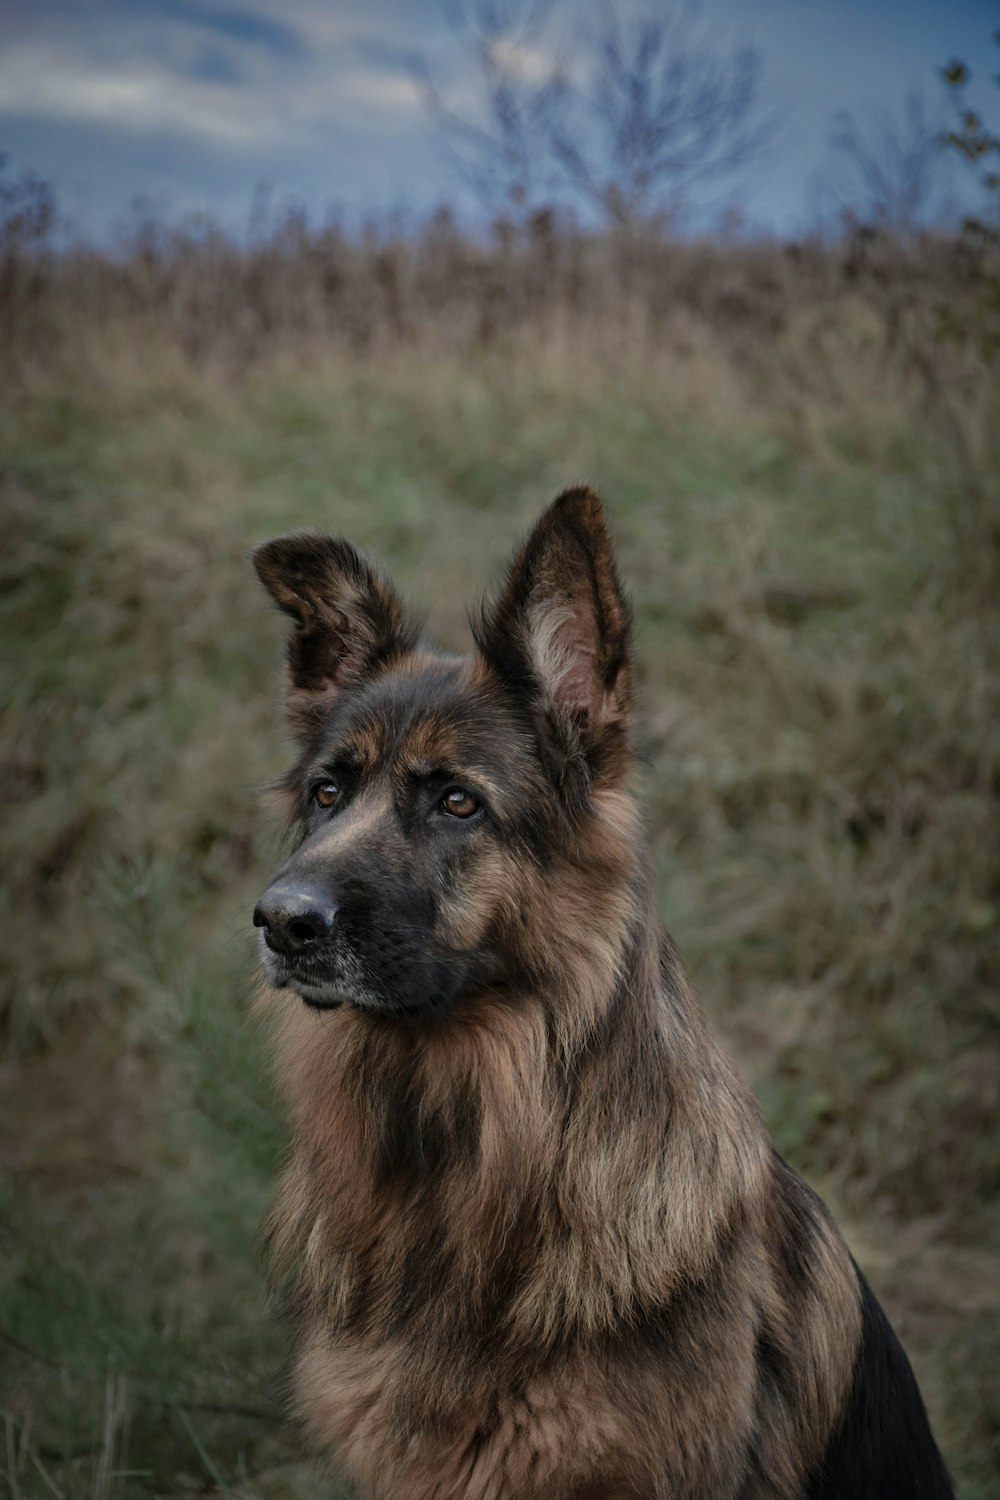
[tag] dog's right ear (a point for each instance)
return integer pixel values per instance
(347, 620)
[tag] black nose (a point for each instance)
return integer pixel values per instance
(295, 917)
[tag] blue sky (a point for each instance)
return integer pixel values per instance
(192, 103)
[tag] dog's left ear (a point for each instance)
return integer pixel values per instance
(559, 632)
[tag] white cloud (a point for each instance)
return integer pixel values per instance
(521, 62)
(40, 82)
(377, 90)
(324, 25)
(151, 87)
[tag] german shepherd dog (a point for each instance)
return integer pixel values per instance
(538, 1242)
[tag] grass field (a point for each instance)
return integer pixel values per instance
(819, 650)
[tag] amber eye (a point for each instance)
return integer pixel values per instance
(326, 794)
(460, 804)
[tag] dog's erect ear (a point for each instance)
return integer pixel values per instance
(347, 619)
(559, 631)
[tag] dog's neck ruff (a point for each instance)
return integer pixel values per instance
(508, 1169)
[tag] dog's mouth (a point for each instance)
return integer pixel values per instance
(334, 981)
(319, 990)
(332, 997)
(316, 996)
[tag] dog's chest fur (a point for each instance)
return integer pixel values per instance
(483, 1330)
(582, 1430)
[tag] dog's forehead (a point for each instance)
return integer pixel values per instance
(430, 713)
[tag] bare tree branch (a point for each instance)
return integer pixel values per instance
(890, 170)
(660, 109)
(501, 152)
(627, 119)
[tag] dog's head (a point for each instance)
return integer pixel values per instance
(441, 800)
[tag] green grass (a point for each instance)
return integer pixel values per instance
(819, 654)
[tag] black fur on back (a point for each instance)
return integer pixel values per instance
(883, 1449)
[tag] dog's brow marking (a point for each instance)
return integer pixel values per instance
(427, 740)
(478, 778)
(473, 775)
(367, 743)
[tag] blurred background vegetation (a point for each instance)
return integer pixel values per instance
(798, 444)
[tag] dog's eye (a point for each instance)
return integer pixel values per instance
(327, 794)
(459, 803)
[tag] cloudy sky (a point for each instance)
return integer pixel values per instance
(190, 104)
